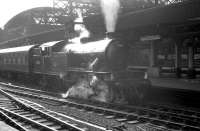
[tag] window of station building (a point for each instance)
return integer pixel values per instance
(184, 56)
(139, 55)
(165, 53)
(197, 57)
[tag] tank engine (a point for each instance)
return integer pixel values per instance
(102, 60)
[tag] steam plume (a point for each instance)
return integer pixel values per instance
(110, 9)
(80, 28)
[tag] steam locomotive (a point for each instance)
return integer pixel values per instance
(68, 64)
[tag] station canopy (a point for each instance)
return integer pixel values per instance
(43, 19)
(57, 15)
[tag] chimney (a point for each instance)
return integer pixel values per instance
(111, 35)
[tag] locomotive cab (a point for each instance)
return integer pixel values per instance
(49, 59)
(46, 51)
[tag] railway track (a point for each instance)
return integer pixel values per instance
(155, 117)
(27, 116)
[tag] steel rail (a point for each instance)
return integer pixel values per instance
(15, 115)
(68, 117)
(173, 111)
(41, 113)
(127, 116)
(136, 113)
(23, 87)
(11, 122)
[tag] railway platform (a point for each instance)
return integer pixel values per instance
(5, 127)
(175, 83)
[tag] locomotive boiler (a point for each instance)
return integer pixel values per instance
(105, 55)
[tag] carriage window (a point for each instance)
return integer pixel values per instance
(4, 60)
(19, 61)
(9, 60)
(1, 59)
(14, 59)
(23, 60)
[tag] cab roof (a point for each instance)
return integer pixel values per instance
(49, 44)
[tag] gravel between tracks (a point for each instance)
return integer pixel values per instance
(87, 116)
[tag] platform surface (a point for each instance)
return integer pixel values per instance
(5, 127)
(174, 83)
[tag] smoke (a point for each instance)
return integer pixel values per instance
(110, 9)
(81, 89)
(93, 89)
(100, 88)
(80, 28)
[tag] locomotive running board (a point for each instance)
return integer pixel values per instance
(91, 72)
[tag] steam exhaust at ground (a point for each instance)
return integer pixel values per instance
(94, 89)
(81, 89)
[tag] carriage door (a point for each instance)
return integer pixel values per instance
(36, 60)
(46, 54)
